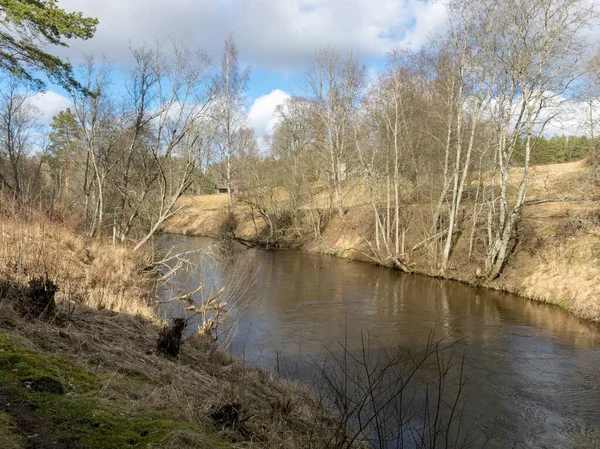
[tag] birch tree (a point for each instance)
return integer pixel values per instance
(333, 85)
(19, 120)
(99, 133)
(538, 45)
(230, 87)
(467, 53)
(389, 126)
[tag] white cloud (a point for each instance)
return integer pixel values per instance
(560, 116)
(570, 118)
(430, 17)
(269, 33)
(262, 115)
(49, 104)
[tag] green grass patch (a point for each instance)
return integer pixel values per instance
(563, 304)
(82, 414)
(19, 363)
(96, 424)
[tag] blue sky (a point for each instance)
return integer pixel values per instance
(275, 38)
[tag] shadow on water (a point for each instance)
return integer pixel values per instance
(531, 370)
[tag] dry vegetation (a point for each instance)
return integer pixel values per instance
(114, 373)
(88, 375)
(88, 372)
(207, 213)
(88, 271)
(557, 258)
(390, 174)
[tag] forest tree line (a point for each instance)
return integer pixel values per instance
(454, 126)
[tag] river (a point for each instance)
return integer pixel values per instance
(532, 371)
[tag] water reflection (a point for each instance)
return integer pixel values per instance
(532, 369)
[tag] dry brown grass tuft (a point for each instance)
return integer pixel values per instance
(568, 275)
(87, 271)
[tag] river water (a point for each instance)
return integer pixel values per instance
(532, 371)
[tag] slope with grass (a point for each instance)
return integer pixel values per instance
(556, 259)
(87, 374)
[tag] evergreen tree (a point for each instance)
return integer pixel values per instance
(27, 27)
(63, 144)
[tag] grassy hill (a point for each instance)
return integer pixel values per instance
(556, 259)
(87, 374)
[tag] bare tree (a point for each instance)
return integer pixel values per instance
(537, 43)
(137, 116)
(292, 146)
(470, 43)
(230, 87)
(143, 156)
(165, 133)
(19, 121)
(181, 131)
(99, 132)
(387, 147)
(333, 86)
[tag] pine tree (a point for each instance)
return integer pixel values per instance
(27, 27)
(63, 143)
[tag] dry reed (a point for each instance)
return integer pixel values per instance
(88, 271)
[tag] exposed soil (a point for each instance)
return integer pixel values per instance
(45, 384)
(39, 432)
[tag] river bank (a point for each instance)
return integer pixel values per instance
(556, 258)
(299, 307)
(87, 374)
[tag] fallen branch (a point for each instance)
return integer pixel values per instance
(433, 237)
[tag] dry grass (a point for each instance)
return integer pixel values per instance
(206, 216)
(105, 326)
(120, 350)
(557, 260)
(91, 272)
(568, 275)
